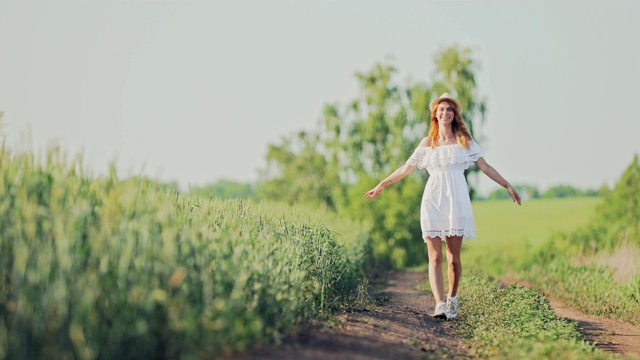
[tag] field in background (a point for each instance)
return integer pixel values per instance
(508, 233)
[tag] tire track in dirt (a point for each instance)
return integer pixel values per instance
(609, 335)
(400, 328)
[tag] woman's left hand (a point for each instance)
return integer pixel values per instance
(514, 194)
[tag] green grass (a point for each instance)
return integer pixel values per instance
(109, 268)
(507, 234)
(589, 288)
(517, 323)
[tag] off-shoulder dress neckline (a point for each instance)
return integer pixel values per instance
(429, 147)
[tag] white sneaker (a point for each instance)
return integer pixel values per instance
(441, 310)
(452, 308)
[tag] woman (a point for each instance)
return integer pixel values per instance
(445, 212)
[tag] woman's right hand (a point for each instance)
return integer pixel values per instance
(373, 193)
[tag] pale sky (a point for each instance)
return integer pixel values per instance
(194, 92)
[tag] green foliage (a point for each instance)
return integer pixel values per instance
(297, 173)
(226, 189)
(396, 240)
(560, 191)
(354, 149)
(517, 323)
(622, 204)
(360, 143)
(380, 129)
(104, 268)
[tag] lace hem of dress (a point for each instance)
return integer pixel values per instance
(442, 234)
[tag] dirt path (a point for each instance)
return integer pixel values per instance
(400, 328)
(607, 334)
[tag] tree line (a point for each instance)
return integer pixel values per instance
(556, 191)
(230, 189)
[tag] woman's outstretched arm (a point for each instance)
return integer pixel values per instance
(400, 172)
(495, 176)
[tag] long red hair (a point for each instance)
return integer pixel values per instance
(460, 130)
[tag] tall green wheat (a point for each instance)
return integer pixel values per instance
(108, 268)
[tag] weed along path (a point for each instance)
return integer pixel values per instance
(401, 327)
(608, 334)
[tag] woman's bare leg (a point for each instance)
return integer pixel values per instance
(454, 246)
(434, 251)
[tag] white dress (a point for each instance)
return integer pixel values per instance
(446, 207)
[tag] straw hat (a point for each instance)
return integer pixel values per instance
(448, 97)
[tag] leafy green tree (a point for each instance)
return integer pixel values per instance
(355, 148)
(375, 134)
(297, 173)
